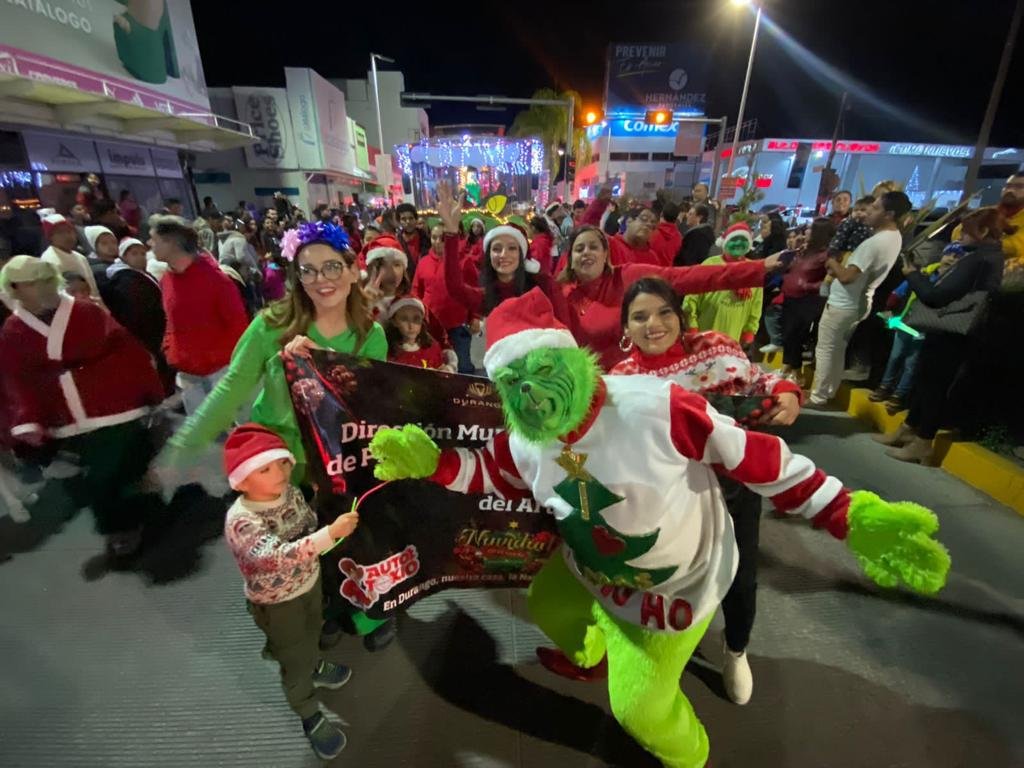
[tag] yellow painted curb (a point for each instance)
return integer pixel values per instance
(979, 467)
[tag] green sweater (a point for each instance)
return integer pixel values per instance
(724, 311)
(257, 362)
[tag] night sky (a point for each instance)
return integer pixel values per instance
(904, 54)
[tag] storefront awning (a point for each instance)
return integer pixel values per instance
(53, 105)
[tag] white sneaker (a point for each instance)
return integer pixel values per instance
(736, 675)
(767, 349)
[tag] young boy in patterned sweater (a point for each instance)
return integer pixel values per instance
(272, 534)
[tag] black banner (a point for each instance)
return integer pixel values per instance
(414, 537)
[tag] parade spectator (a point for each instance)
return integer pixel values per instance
(472, 245)
(578, 209)
(275, 270)
(409, 341)
(634, 245)
(850, 295)
(841, 202)
(172, 207)
(273, 536)
(104, 211)
(711, 364)
(699, 195)
(666, 239)
(129, 210)
(80, 218)
(699, 237)
(235, 251)
(428, 285)
(555, 215)
(853, 230)
(62, 238)
(209, 209)
(387, 269)
(75, 378)
(206, 235)
(590, 299)
(351, 226)
(412, 238)
(103, 253)
(803, 303)
(542, 244)
(205, 314)
(980, 268)
(596, 213)
(772, 238)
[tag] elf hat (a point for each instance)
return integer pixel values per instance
(383, 247)
(51, 222)
(520, 325)
(406, 301)
(739, 229)
(530, 265)
(127, 243)
(250, 447)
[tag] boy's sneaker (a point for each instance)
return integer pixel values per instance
(324, 736)
(330, 675)
(880, 395)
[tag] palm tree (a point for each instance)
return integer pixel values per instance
(548, 124)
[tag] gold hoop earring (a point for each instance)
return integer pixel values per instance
(625, 343)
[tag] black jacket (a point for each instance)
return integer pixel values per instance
(979, 269)
(697, 243)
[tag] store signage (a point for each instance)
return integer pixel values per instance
(640, 128)
(125, 159)
(656, 76)
(860, 147)
(166, 163)
(303, 111)
(932, 150)
(53, 152)
(266, 110)
(362, 148)
(780, 145)
(319, 122)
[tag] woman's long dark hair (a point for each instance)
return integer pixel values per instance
(471, 239)
(776, 238)
(540, 226)
(567, 275)
(656, 287)
(489, 280)
(821, 234)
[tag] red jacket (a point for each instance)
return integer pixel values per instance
(80, 373)
(666, 241)
(429, 357)
(805, 274)
(428, 286)
(540, 251)
(205, 317)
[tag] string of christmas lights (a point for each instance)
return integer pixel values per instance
(516, 156)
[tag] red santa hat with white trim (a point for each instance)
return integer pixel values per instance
(739, 229)
(383, 247)
(52, 221)
(532, 266)
(402, 303)
(520, 325)
(249, 447)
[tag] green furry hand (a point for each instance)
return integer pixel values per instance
(894, 543)
(404, 453)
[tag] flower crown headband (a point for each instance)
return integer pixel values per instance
(313, 232)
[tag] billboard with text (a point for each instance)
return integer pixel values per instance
(644, 76)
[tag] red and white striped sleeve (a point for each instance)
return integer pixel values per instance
(481, 470)
(760, 461)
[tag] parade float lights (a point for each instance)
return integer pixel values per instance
(516, 156)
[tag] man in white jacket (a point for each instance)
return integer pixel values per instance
(63, 237)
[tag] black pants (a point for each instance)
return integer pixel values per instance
(740, 603)
(798, 315)
(937, 366)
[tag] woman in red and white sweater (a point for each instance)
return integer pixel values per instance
(592, 288)
(710, 364)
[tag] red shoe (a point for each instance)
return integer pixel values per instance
(556, 661)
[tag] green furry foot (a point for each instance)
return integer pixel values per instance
(894, 543)
(404, 453)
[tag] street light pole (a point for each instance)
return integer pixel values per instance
(746, 87)
(376, 96)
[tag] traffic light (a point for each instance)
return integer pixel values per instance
(592, 117)
(658, 117)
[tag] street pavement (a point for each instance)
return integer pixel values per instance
(161, 666)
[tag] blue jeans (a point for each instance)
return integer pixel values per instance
(460, 338)
(899, 371)
(773, 323)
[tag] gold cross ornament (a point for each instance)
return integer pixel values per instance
(572, 463)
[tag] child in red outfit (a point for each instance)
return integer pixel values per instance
(410, 343)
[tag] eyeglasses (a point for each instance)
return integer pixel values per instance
(331, 270)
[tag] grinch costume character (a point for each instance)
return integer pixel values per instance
(627, 465)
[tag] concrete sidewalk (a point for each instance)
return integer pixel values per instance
(161, 666)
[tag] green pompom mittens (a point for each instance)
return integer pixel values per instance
(404, 453)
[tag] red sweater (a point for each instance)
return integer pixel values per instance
(205, 317)
(540, 251)
(593, 311)
(428, 357)
(471, 295)
(621, 253)
(78, 373)
(666, 242)
(428, 286)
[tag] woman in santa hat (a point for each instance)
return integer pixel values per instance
(471, 246)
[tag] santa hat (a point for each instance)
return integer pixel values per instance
(386, 246)
(530, 265)
(405, 301)
(250, 447)
(127, 243)
(739, 229)
(93, 232)
(51, 222)
(520, 325)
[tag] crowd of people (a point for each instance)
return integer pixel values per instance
(116, 319)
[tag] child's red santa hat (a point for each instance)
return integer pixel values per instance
(739, 229)
(520, 325)
(250, 447)
(383, 247)
(405, 301)
(51, 222)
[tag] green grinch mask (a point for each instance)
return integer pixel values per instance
(547, 393)
(737, 246)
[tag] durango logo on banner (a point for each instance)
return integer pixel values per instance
(414, 537)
